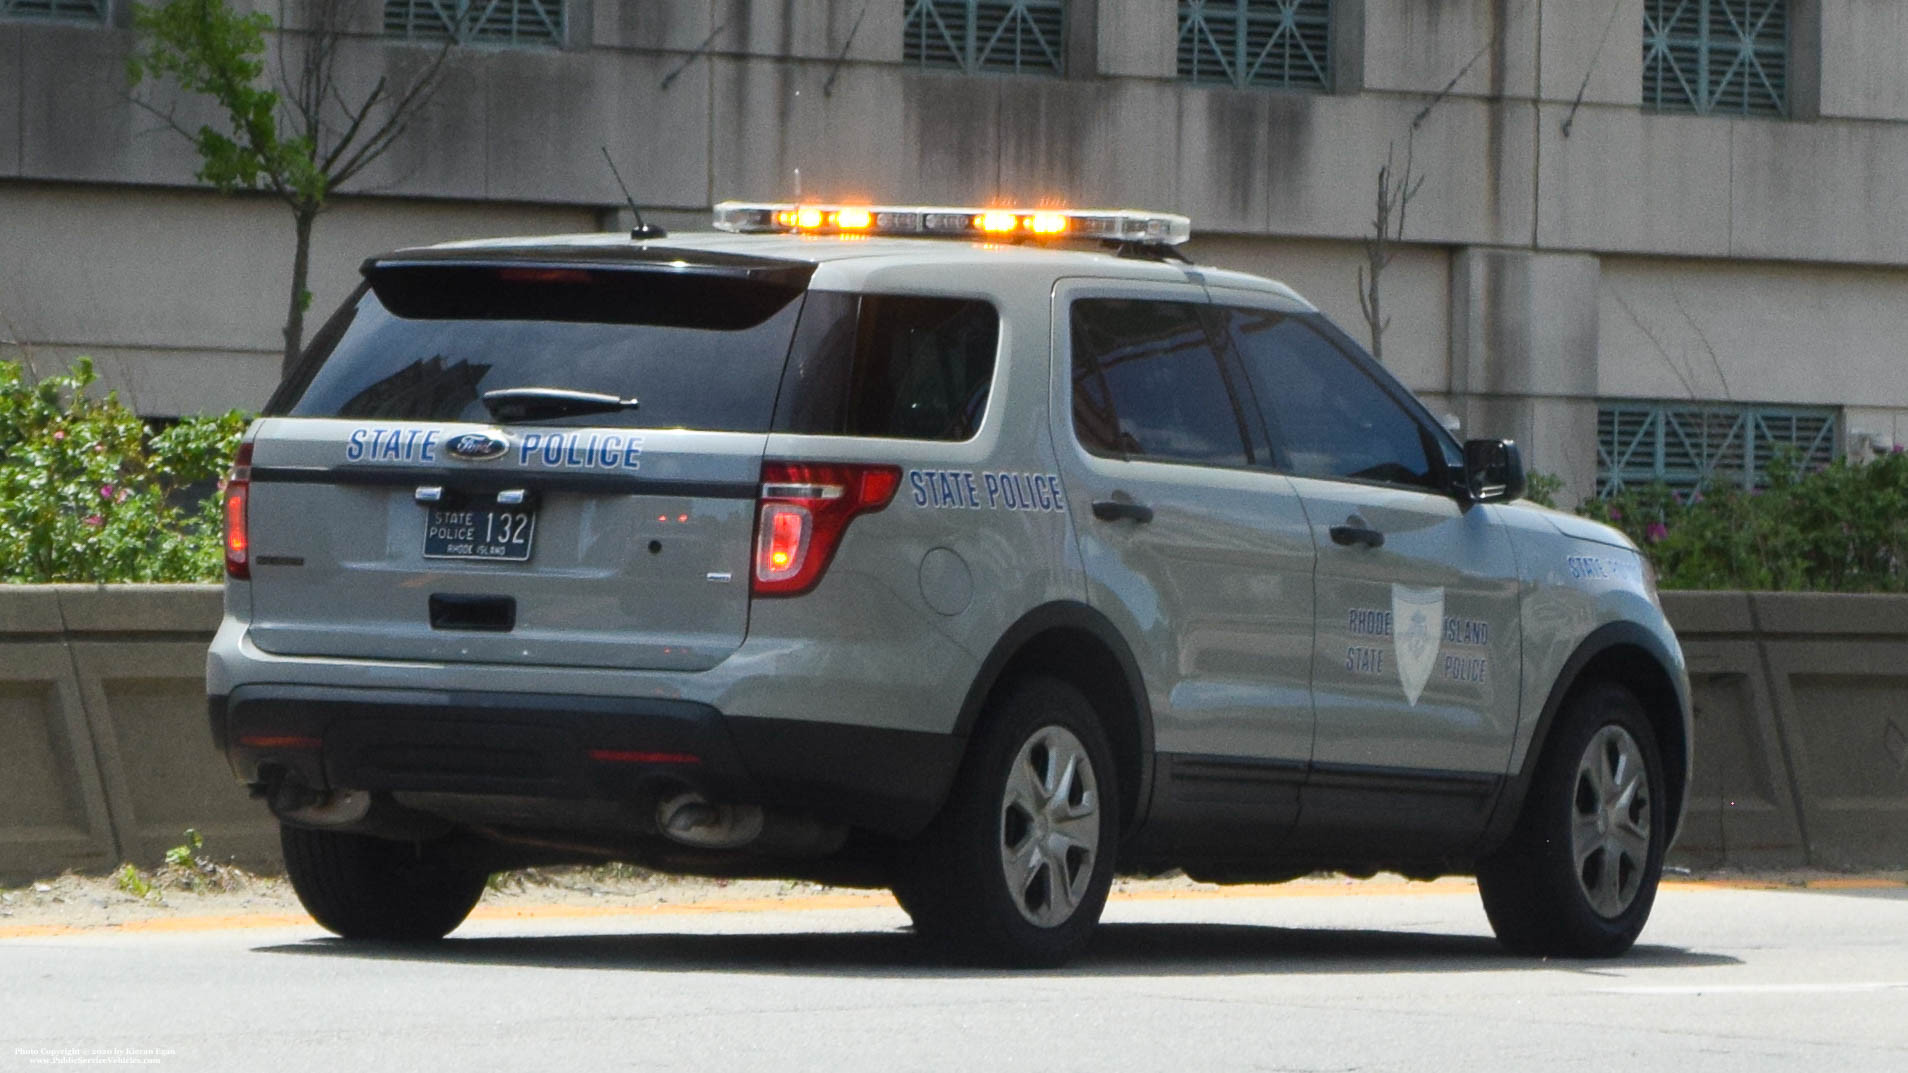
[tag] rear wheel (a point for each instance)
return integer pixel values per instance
(372, 888)
(1579, 875)
(1016, 868)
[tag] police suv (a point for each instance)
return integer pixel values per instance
(928, 548)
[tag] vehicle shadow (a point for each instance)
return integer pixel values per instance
(1151, 949)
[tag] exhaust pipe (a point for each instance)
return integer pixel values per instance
(691, 819)
(335, 809)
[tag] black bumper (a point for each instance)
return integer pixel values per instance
(581, 748)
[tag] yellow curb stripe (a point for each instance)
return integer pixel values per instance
(1354, 889)
(882, 899)
(856, 900)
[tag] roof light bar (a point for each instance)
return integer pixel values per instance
(1116, 225)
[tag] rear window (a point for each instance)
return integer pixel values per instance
(890, 366)
(426, 342)
(1148, 383)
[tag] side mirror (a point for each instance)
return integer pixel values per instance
(1494, 471)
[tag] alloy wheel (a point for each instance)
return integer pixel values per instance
(1050, 826)
(1610, 821)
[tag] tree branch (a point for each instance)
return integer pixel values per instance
(169, 117)
(354, 122)
(404, 109)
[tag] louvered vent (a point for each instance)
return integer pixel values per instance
(1722, 56)
(485, 22)
(1274, 44)
(1008, 36)
(80, 10)
(1689, 446)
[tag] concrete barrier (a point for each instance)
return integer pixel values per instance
(1801, 730)
(1742, 810)
(106, 755)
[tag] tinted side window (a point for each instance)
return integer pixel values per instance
(1327, 413)
(894, 366)
(1147, 382)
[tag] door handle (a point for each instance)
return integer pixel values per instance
(1355, 531)
(1113, 510)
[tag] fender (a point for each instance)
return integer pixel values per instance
(1074, 616)
(1510, 801)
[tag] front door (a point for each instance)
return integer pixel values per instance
(1200, 554)
(1415, 665)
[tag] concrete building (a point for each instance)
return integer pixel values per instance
(1653, 236)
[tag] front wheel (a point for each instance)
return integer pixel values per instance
(1016, 868)
(360, 887)
(1579, 874)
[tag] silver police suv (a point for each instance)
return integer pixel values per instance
(927, 548)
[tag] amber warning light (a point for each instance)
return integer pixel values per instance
(1113, 225)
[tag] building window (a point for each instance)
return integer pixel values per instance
(74, 10)
(1729, 57)
(1007, 36)
(1274, 44)
(1703, 445)
(476, 22)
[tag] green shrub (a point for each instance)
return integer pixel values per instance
(1838, 528)
(89, 493)
(1542, 488)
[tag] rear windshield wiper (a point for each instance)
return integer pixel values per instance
(532, 403)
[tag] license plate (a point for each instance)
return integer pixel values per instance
(490, 533)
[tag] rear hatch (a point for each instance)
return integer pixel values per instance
(597, 513)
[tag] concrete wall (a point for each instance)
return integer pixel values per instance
(708, 100)
(1566, 245)
(1801, 730)
(180, 295)
(107, 756)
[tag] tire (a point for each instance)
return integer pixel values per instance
(1579, 874)
(1015, 869)
(359, 887)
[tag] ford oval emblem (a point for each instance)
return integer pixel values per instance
(476, 446)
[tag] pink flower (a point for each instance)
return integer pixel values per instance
(95, 520)
(1897, 449)
(1656, 532)
(58, 435)
(99, 448)
(105, 491)
(1616, 514)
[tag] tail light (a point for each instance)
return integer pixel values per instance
(805, 507)
(238, 493)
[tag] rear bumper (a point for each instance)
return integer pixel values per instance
(581, 748)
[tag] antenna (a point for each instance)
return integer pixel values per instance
(641, 230)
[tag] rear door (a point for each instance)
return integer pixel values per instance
(394, 515)
(1198, 551)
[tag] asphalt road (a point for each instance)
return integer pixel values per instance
(1352, 978)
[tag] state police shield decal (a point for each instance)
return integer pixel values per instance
(1417, 617)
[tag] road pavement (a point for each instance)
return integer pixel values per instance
(1317, 977)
